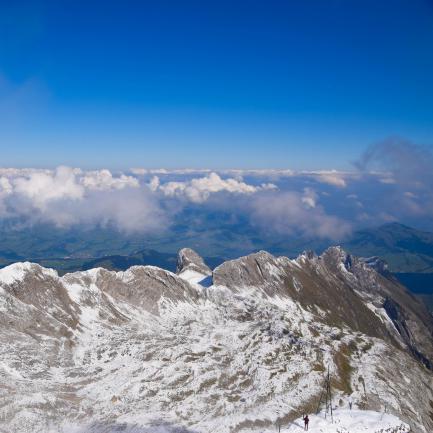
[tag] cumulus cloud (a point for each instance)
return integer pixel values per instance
(41, 188)
(67, 196)
(198, 190)
(103, 180)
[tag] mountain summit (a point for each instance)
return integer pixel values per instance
(188, 259)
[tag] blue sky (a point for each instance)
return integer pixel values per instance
(299, 84)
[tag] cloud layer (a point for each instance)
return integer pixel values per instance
(393, 181)
(67, 196)
(143, 201)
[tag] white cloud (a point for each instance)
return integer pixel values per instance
(103, 180)
(67, 196)
(146, 200)
(198, 190)
(5, 185)
(309, 198)
(139, 171)
(154, 183)
(235, 172)
(333, 177)
(5, 189)
(42, 187)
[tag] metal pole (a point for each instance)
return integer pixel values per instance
(330, 396)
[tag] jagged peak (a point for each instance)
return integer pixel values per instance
(307, 255)
(376, 263)
(337, 255)
(336, 250)
(188, 259)
(90, 273)
(260, 256)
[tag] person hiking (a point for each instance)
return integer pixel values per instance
(306, 421)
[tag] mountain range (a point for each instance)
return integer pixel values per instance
(243, 348)
(407, 251)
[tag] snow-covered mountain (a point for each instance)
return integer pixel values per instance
(244, 348)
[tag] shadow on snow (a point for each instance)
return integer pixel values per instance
(110, 427)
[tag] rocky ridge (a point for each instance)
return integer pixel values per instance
(242, 348)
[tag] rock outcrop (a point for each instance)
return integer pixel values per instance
(188, 259)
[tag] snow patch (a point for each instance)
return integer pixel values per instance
(351, 421)
(17, 271)
(194, 277)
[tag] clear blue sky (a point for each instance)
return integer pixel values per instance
(302, 84)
